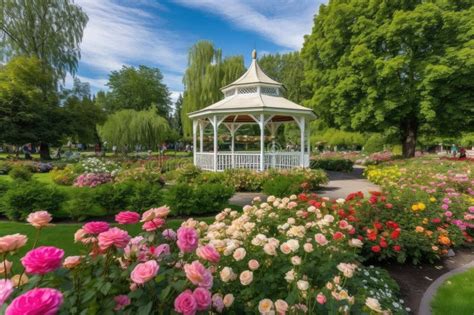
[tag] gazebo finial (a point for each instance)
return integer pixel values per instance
(254, 54)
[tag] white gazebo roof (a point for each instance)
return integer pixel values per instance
(254, 92)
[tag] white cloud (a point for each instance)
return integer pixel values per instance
(99, 83)
(282, 22)
(174, 96)
(119, 35)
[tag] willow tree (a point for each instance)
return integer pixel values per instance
(376, 65)
(207, 72)
(50, 30)
(128, 128)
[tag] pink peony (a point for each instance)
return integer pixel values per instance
(95, 227)
(38, 301)
(6, 289)
(153, 225)
(39, 219)
(144, 272)
(198, 274)
(320, 298)
(208, 253)
(42, 260)
(71, 262)
(10, 243)
(121, 301)
(127, 217)
(187, 239)
(113, 237)
(80, 236)
(203, 298)
(185, 303)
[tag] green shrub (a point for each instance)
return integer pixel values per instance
(211, 178)
(114, 197)
(26, 197)
(145, 196)
(375, 143)
(187, 174)
(282, 185)
(175, 163)
(84, 203)
(65, 176)
(245, 180)
(20, 172)
(339, 165)
(4, 186)
(5, 167)
(186, 199)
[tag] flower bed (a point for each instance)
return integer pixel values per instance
(285, 255)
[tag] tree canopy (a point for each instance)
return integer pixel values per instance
(207, 72)
(137, 89)
(50, 30)
(404, 64)
(127, 128)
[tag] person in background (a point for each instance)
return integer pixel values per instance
(462, 153)
(454, 150)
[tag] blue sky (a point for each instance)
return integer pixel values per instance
(160, 33)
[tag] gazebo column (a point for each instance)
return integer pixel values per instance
(201, 136)
(195, 123)
(261, 123)
(215, 126)
(308, 140)
(302, 142)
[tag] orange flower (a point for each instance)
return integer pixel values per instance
(444, 240)
(419, 229)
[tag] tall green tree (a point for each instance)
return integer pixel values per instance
(375, 65)
(137, 89)
(207, 72)
(50, 30)
(29, 106)
(127, 128)
(289, 70)
(176, 118)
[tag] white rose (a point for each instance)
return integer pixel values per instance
(239, 254)
(271, 198)
(340, 201)
(253, 264)
(265, 306)
(291, 221)
(227, 274)
(246, 277)
(294, 244)
(373, 304)
(355, 242)
(329, 218)
(285, 248)
(270, 249)
(281, 306)
(303, 285)
(290, 275)
(308, 247)
(296, 260)
(228, 300)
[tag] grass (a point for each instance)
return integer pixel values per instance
(62, 235)
(455, 295)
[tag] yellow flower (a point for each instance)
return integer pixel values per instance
(425, 221)
(421, 206)
(432, 199)
(414, 207)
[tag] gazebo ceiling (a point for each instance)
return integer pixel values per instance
(244, 118)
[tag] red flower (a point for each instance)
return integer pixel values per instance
(378, 225)
(375, 193)
(371, 234)
(396, 248)
(373, 199)
(388, 206)
(375, 248)
(436, 220)
(352, 231)
(338, 235)
(383, 244)
(341, 213)
(395, 234)
(303, 197)
(391, 225)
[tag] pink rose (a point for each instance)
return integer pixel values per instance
(203, 298)
(39, 219)
(38, 301)
(5, 267)
(153, 225)
(71, 262)
(321, 298)
(218, 302)
(121, 301)
(127, 217)
(161, 212)
(10, 243)
(208, 253)
(148, 215)
(42, 260)
(185, 303)
(321, 239)
(80, 236)
(113, 237)
(187, 239)
(160, 250)
(6, 289)
(198, 274)
(95, 227)
(144, 272)
(169, 234)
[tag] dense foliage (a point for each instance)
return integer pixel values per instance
(332, 164)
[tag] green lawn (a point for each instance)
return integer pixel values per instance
(62, 235)
(455, 296)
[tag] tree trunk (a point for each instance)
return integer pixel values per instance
(44, 151)
(409, 134)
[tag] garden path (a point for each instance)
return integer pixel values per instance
(339, 186)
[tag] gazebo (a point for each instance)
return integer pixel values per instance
(254, 98)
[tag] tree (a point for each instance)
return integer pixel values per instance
(176, 118)
(29, 107)
(289, 70)
(83, 114)
(50, 30)
(137, 89)
(207, 72)
(376, 65)
(127, 128)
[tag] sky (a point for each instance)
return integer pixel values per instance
(159, 33)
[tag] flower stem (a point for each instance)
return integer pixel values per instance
(5, 265)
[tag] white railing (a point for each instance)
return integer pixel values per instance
(251, 160)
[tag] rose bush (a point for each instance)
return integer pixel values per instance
(288, 255)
